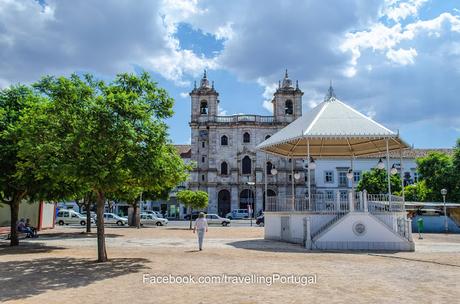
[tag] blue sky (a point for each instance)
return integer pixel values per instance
(397, 61)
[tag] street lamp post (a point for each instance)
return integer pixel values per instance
(444, 193)
(249, 192)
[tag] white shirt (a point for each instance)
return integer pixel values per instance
(201, 223)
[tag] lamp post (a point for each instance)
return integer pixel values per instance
(249, 192)
(444, 193)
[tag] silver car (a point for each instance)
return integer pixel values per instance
(112, 218)
(150, 219)
(215, 219)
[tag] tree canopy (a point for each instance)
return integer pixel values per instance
(375, 182)
(101, 137)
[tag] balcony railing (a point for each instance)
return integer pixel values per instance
(238, 119)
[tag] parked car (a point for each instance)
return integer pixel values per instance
(112, 218)
(215, 219)
(91, 213)
(260, 220)
(68, 216)
(237, 214)
(150, 219)
(194, 215)
(155, 213)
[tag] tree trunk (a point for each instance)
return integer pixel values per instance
(88, 216)
(137, 218)
(191, 220)
(14, 207)
(101, 252)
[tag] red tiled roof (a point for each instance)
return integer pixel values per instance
(185, 151)
(412, 153)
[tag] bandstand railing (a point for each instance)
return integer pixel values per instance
(336, 203)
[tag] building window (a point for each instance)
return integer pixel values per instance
(328, 176)
(290, 177)
(356, 176)
(343, 181)
(329, 195)
(415, 177)
(288, 108)
(343, 195)
(269, 168)
(204, 107)
(202, 177)
(224, 140)
(246, 137)
(267, 137)
(246, 165)
(203, 159)
(202, 144)
(224, 168)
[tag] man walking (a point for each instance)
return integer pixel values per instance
(201, 225)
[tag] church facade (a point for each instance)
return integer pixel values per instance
(228, 165)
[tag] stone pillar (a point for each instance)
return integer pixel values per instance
(350, 201)
(409, 230)
(307, 232)
(364, 200)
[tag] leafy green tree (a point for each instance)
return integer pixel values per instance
(104, 136)
(15, 186)
(416, 192)
(375, 182)
(193, 200)
(455, 195)
(437, 171)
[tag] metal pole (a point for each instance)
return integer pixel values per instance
(402, 175)
(308, 174)
(266, 182)
(388, 175)
(292, 180)
(446, 227)
(353, 180)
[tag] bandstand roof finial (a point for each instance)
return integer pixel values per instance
(330, 93)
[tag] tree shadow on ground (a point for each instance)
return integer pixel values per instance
(27, 248)
(22, 279)
(179, 228)
(267, 245)
(74, 235)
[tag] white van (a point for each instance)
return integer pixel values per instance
(68, 216)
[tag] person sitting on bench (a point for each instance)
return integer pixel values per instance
(33, 229)
(22, 228)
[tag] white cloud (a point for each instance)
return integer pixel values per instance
(184, 94)
(399, 10)
(269, 90)
(401, 56)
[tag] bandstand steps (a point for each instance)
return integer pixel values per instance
(323, 229)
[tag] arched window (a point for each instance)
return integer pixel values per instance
(288, 109)
(246, 137)
(269, 168)
(246, 165)
(204, 107)
(224, 168)
(267, 137)
(224, 140)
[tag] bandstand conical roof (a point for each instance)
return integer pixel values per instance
(332, 129)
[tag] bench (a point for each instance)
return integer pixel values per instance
(21, 235)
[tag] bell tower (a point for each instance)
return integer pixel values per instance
(204, 100)
(287, 101)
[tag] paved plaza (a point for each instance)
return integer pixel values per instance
(59, 267)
